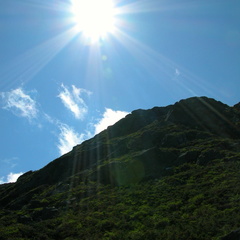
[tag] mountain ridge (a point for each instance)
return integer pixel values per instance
(197, 112)
(145, 146)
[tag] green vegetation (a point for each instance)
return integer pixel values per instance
(196, 202)
(159, 174)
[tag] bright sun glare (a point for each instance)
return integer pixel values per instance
(94, 18)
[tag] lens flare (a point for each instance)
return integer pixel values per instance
(94, 18)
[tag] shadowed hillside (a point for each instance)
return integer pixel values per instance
(164, 173)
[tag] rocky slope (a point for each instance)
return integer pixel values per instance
(145, 147)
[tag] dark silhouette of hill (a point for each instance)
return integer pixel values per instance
(179, 162)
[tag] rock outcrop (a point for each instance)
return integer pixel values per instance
(140, 146)
(164, 173)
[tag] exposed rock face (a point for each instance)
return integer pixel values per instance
(144, 145)
(206, 114)
(197, 112)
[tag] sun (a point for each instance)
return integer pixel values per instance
(94, 18)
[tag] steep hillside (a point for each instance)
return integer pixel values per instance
(164, 173)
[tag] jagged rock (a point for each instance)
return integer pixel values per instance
(206, 114)
(178, 152)
(138, 147)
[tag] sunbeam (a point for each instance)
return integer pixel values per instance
(157, 65)
(142, 6)
(26, 66)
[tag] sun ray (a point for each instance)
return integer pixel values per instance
(156, 64)
(30, 63)
(141, 7)
(27, 65)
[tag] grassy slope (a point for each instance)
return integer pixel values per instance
(163, 181)
(194, 202)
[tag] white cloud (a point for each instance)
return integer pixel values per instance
(11, 177)
(19, 103)
(73, 100)
(68, 138)
(109, 118)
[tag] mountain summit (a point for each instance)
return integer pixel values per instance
(175, 146)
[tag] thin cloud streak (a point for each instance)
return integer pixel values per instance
(10, 162)
(73, 101)
(20, 103)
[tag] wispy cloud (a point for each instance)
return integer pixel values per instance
(49, 119)
(177, 72)
(20, 103)
(109, 118)
(73, 100)
(10, 162)
(68, 138)
(11, 177)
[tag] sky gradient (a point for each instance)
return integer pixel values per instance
(58, 89)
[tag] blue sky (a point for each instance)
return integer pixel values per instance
(59, 88)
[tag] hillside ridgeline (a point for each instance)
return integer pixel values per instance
(164, 173)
